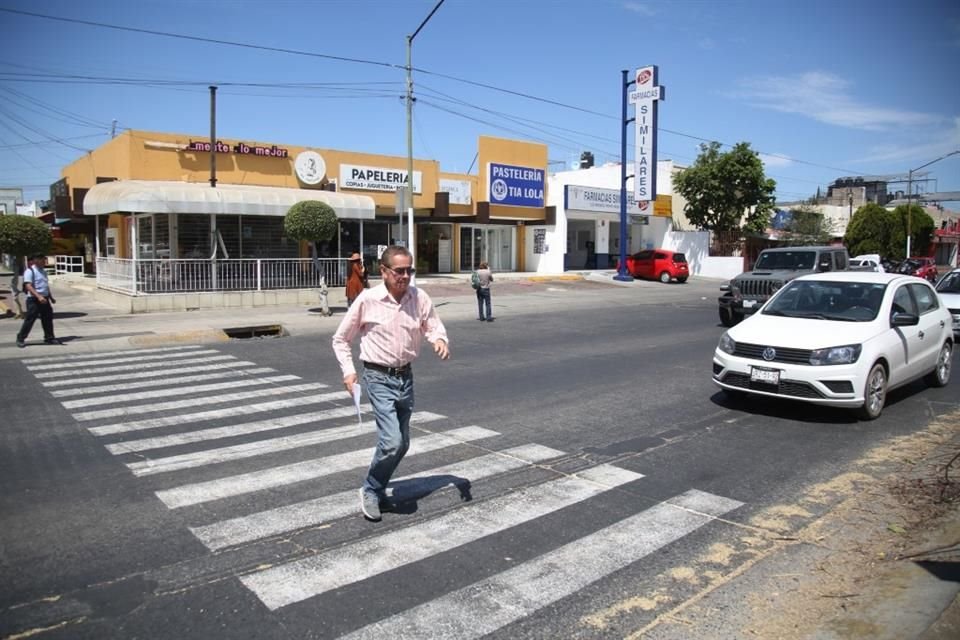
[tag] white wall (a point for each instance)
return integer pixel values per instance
(695, 245)
(606, 176)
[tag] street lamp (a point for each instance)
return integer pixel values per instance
(910, 194)
(410, 38)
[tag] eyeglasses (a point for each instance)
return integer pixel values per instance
(401, 271)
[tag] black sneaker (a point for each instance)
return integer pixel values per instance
(370, 505)
(21, 343)
(53, 341)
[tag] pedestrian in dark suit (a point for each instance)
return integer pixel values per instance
(40, 302)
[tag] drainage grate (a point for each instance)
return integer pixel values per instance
(263, 331)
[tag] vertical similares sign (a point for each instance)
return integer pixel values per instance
(645, 96)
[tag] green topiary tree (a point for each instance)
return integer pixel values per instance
(22, 236)
(311, 221)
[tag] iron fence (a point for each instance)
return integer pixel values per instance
(137, 277)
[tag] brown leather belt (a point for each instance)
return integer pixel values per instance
(390, 371)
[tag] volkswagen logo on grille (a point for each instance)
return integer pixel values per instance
(769, 354)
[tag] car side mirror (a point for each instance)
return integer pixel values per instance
(901, 319)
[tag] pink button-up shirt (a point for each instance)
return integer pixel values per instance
(390, 332)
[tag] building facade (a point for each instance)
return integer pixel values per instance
(159, 196)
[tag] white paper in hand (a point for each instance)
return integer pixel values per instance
(357, 390)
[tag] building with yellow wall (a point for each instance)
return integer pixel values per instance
(159, 196)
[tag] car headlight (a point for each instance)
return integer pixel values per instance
(835, 355)
(727, 344)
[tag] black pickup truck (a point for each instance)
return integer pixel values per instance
(774, 268)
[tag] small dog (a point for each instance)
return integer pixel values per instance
(324, 299)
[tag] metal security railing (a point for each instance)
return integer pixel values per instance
(67, 264)
(136, 277)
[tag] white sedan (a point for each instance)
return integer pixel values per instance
(949, 290)
(842, 339)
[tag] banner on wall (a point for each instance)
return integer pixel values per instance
(459, 190)
(515, 186)
(353, 176)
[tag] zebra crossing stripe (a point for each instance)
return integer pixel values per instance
(488, 605)
(250, 449)
(295, 581)
(244, 450)
(140, 396)
(92, 361)
(311, 513)
(201, 492)
(63, 358)
(156, 382)
(194, 402)
(126, 367)
(216, 414)
(246, 428)
(167, 374)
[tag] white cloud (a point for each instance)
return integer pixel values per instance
(825, 97)
(639, 7)
(775, 160)
(938, 144)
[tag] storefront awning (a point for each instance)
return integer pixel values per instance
(146, 196)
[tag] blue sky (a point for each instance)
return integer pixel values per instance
(830, 88)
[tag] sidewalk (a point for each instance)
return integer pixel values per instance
(86, 325)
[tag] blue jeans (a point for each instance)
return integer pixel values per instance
(392, 400)
(483, 300)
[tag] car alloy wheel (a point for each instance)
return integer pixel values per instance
(875, 392)
(940, 376)
(665, 277)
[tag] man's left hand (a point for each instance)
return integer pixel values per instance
(441, 349)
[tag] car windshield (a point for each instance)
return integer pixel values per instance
(786, 260)
(828, 300)
(950, 283)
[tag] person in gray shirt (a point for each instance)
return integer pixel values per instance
(483, 293)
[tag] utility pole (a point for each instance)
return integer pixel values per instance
(213, 136)
(410, 238)
(113, 129)
(622, 274)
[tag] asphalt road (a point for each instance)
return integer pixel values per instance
(576, 474)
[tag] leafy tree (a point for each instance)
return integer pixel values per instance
(721, 189)
(22, 236)
(921, 228)
(873, 229)
(807, 226)
(311, 221)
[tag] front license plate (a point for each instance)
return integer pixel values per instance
(767, 376)
(749, 304)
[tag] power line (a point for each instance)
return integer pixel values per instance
(180, 36)
(44, 143)
(393, 66)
